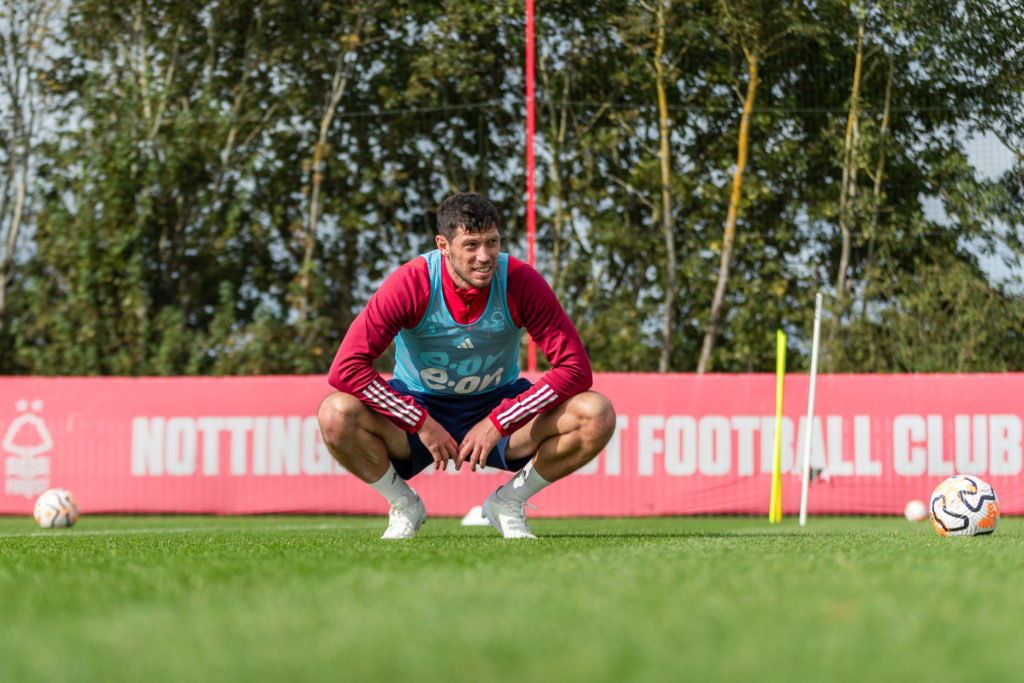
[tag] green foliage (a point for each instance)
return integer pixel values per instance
(169, 229)
(947, 319)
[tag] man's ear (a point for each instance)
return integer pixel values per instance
(442, 243)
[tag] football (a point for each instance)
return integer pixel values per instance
(915, 510)
(964, 506)
(56, 508)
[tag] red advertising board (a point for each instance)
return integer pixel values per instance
(684, 444)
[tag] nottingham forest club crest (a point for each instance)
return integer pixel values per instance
(26, 439)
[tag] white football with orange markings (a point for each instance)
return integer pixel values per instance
(915, 510)
(56, 508)
(964, 505)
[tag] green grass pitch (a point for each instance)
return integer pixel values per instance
(666, 599)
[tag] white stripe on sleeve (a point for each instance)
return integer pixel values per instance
(380, 396)
(533, 404)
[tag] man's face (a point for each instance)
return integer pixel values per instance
(471, 257)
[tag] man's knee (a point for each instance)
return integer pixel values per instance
(338, 416)
(596, 415)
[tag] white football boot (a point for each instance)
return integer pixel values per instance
(507, 517)
(405, 518)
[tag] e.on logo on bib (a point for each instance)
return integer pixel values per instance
(26, 470)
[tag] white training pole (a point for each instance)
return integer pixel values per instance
(809, 426)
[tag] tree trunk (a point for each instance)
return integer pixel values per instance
(338, 84)
(558, 113)
(743, 143)
(848, 187)
(24, 45)
(876, 207)
(7, 263)
(876, 191)
(667, 222)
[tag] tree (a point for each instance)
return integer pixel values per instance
(758, 32)
(148, 217)
(28, 45)
(940, 57)
(850, 163)
(218, 187)
(660, 35)
(349, 36)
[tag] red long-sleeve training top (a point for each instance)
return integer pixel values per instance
(401, 302)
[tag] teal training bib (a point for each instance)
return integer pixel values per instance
(440, 356)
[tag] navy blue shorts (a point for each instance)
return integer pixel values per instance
(458, 414)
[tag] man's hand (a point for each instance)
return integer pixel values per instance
(477, 445)
(439, 442)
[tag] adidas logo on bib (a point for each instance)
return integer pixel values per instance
(466, 344)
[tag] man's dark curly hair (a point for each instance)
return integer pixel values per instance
(466, 210)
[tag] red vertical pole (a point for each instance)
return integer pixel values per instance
(531, 206)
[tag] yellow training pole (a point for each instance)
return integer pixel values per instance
(775, 505)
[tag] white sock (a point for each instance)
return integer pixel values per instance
(520, 487)
(392, 486)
